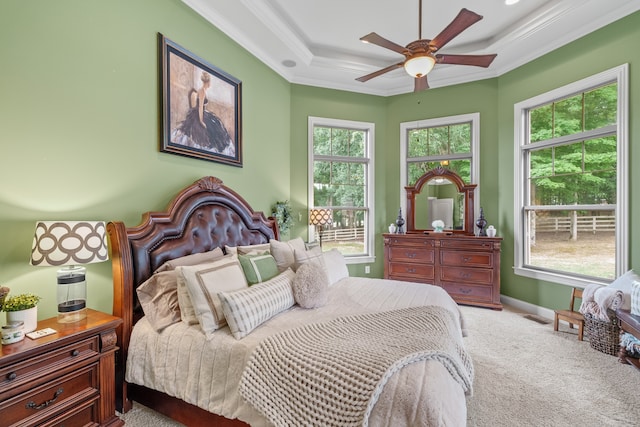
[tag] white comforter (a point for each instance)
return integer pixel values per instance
(182, 362)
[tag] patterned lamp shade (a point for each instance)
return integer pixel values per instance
(70, 244)
(320, 216)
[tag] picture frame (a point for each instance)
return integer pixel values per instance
(201, 107)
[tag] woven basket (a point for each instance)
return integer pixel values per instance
(603, 336)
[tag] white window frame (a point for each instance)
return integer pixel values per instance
(620, 75)
(369, 128)
(405, 127)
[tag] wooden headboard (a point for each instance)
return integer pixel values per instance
(202, 217)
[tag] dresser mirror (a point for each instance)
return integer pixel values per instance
(440, 194)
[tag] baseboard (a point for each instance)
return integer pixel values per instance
(528, 307)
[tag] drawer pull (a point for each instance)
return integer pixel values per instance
(465, 275)
(74, 353)
(411, 254)
(12, 376)
(411, 270)
(465, 291)
(466, 259)
(32, 404)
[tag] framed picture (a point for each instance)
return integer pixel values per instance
(201, 108)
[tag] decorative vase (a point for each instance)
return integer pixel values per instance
(481, 223)
(392, 228)
(491, 231)
(400, 223)
(28, 316)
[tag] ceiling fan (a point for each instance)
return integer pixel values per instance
(420, 55)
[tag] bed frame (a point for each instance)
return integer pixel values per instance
(202, 217)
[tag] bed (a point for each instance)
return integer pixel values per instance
(202, 377)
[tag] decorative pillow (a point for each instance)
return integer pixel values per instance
(159, 299)
(258, 268)
(203, 282)
(635, 298)
(310, 286)
(283, 252)
(313, 255)
(187, 312)
(247, 309)
(336, 266)
(193, 259)
(248, 250)
(623, 283)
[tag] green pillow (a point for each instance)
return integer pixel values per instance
(258, 268)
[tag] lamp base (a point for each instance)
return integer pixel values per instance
(72, 316)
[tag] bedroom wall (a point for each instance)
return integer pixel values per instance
(80, 127)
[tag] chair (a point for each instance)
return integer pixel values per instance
(571, 316)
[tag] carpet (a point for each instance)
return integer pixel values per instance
(525, 375)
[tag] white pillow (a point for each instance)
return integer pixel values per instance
(336, 266)
(283, 252)
(635, 298)
(310, 286)
(193, 259)
(247, 309)
(313, 255)
(187, 312)
(203, 283)
(248, 250)
(623, 283)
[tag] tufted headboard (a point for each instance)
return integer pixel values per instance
(202, 217)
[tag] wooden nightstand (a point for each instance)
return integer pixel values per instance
(67, 378)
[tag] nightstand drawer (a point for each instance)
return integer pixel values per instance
(31, 372)
(62, 395)
(82, 416)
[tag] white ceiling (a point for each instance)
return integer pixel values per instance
(322, 37)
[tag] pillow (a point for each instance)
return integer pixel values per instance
(258, 268)
(248, 250)
(313, 255)
(635, 298)
(623, 283)
(283, 252)
(159, 299)
(192, 259)
(203, 282)
(187, 312)
(247, 309)
(310, 286)
(335, 265)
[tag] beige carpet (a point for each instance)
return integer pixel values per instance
(526, 375)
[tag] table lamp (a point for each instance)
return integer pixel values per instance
(70, 244)
(319, 217)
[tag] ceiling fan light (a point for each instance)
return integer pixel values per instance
(419, 66)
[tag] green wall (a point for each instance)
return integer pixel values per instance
(80, 128)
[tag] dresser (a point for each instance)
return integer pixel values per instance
(64, 379)
(467, 267)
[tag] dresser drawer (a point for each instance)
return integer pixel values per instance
(470, 293)
(414, 272)
(30, 372)
(470, 243)
(60, 395)
(466, 275)
(466, 259)
(412, 254)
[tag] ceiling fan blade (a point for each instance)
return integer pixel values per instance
(380, 72)
(477, 60)
(374, 38)
(464, 20)
(421, 84)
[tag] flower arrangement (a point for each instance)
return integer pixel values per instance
(18, 302)
(438, 225)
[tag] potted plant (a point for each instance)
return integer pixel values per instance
(24, 308)
(283, 214)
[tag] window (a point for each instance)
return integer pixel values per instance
(452, 142)
(341, 180)
(571, 191)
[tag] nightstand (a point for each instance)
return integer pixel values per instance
(67, 378)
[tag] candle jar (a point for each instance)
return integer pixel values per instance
(12, 332)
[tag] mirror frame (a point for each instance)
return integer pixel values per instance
(441, 172)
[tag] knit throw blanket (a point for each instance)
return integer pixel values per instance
(332, 373)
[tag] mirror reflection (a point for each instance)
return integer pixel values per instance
(440, 200)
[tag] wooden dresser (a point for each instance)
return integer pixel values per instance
(63, 379)
(467, 267)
